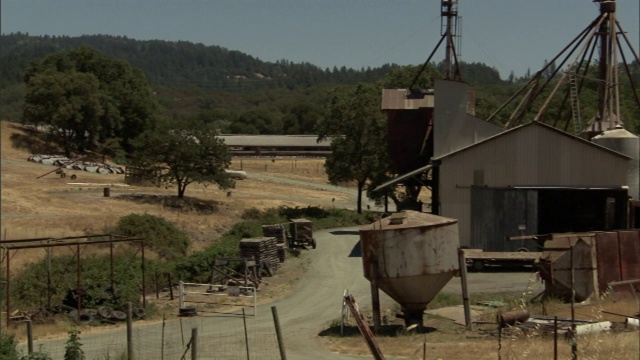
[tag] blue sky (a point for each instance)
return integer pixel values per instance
(510, 35)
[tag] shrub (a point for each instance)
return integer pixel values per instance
(30, 286)
(159, 234)
(8, 347)
(73, 347)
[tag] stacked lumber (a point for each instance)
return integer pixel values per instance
(263, 249)
(279, 232)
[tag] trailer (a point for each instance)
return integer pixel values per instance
(301, 234)
(478, 259)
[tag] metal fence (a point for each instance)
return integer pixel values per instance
(222, 336)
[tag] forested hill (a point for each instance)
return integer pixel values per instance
(181, 64)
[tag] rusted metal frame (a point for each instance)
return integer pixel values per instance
(231, 272)
(424, 66)
(48, 250)
(626, 39)
(375, 296)
(7, 257)
(111, 264)
(526, 100)
(142, 267)
(34, 246)
(628, 71)
(79, 279)
(62, 239)
(364, 328)
(614, 77)
(574, 345)
(8, 300)
(462, 263)
(510, 99)
(577, 40)
(457, 76)
(543, 108)
(593, 45)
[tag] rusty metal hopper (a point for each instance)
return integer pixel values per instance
(411, 256)
(558, 261)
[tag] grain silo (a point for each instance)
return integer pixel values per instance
(624, 142)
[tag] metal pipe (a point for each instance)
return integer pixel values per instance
(276, 321)
(8, 287)
(246, 336)
(79, 280)
(465, 292)
(555, 338)
(144, 287)
(413, 82)
(129, 331)
(543, 108)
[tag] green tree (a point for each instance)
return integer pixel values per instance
(68, 103)
(181, 153)
(87, 99)
(357, 127)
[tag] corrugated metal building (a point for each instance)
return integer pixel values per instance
(277, 145)
(532, 179)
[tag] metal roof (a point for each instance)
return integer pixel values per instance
(275, 140)
(533, 123)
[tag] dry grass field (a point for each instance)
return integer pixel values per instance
(34, 205)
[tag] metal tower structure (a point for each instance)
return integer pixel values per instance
(449, 21)
(602, 40)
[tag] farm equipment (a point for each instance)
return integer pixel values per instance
(301, 234)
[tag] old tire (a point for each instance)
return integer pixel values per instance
(188, 311)
(73, 314)
(313, 243)
(105, 312)
(119, 315)
(139, 313)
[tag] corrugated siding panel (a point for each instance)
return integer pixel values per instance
(531, 156)
(630, 255)
(608, 259)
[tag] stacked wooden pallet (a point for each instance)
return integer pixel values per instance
(279, 232)
(263, 249)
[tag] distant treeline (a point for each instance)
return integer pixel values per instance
(238, 92)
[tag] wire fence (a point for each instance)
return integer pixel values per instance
(215, 337)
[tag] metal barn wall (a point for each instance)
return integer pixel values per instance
(514, 209)
(529, 155)
(454, 127)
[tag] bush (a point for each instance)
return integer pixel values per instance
(8, 347)
(159, 234)
(30, 286)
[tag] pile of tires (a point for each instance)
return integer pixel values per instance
(63, 161)
(102, 315)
